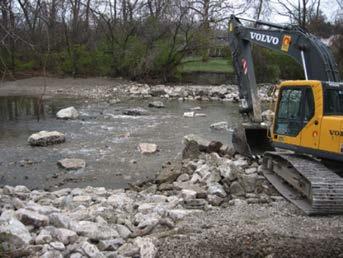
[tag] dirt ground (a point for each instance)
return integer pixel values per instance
(255, 230)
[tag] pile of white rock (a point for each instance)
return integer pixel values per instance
(99, 222)
(191, 92)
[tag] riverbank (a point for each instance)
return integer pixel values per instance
(109, 89)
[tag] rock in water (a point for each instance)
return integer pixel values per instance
(68, 113)
(156, 104)
(147, 148)
(72, 164)
(135, 112)
(220, 126)
(44, 138)
(189, 114)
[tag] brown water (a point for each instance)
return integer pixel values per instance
(97, 137)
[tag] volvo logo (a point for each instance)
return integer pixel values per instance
(264, 38)
(336, 133)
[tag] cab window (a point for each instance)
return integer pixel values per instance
(295, 109)
(333, 102)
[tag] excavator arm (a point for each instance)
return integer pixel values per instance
(314, 56)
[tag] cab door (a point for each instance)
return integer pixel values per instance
(310, 134)
(288, 121)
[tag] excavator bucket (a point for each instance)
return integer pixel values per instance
(251, 140)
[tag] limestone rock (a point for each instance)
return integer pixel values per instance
(110, 244)
(183, 178)
(44, 237)
(64, 235)
(91, 250)
(227, 172)
(249, 182)
(191, 150)
(57, 246)
(52, 254)
(123, 231)
(146, 246)
(217, 189)
(68, 113)
(94, 230)
(214, 200)
(147, 148)
(236, 189)
(44, 138)
(72, 164)
(178, 214)
(60, 220)
(13, 233)
(120, 201)
(32, 218)
(167, 176)
(188, 194)
(203, 144)
(21, 189)
(128, 249)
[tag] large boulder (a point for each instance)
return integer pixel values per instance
(68, 113)
(44, 138)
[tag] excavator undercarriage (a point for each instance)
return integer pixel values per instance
(305, 182)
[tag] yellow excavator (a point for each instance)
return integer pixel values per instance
(303, 148)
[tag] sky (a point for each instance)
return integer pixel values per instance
(329, 7)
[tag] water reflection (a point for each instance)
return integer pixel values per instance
(21, 107)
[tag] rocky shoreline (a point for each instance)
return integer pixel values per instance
(99, 222)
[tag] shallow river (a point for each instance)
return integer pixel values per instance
(98, 137)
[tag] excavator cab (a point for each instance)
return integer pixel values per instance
(309, 118)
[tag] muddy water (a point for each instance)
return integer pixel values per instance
(99, 137)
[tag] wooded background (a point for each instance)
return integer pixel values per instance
(145, 39)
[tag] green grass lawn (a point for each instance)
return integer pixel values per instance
(195, 64)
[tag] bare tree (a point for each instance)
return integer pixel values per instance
(299, 11)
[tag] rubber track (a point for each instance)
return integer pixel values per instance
(326, 186)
